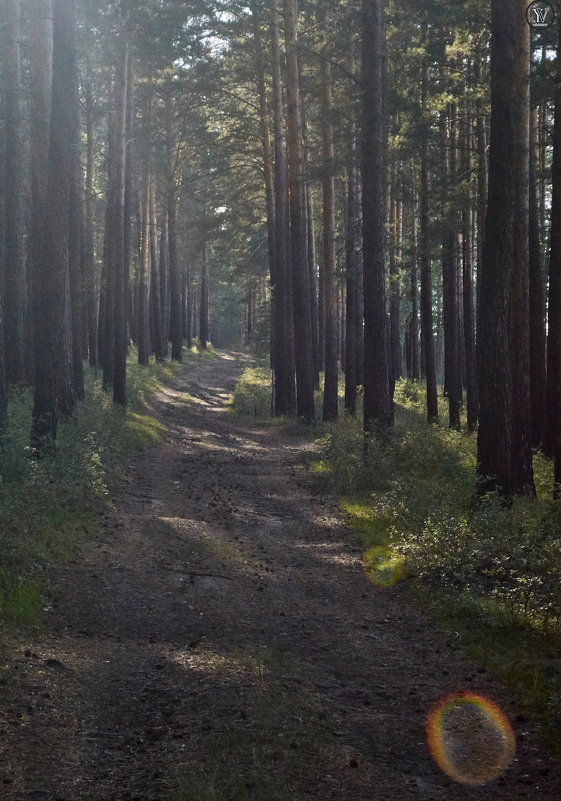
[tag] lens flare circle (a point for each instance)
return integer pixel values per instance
(470, 738)
(382, 566)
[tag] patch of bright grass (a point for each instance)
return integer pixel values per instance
(492, 572)
(48, 505)
(196, 350)
(252, 394)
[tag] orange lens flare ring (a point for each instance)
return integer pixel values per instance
(470, 738)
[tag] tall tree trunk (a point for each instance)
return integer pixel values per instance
(449, 284)
(538, 382)
(467, 279)
(117, 250)
(521, 471)
(378, 403)
(267, 167)
(89, 277)
(552, 441)
(106, 329)
(14, 264)
(175, 332)
(156, 327)
(311, 255)
(298, 257)
(493, 355)
(395, 299)
(414, 295)
(425, 259)
(330, 399)
(203, 305)
(51, 329)
(482, 173)
(189, 309)
(41, 40)
(285, 392)
(75, 229)
(352, 281)
(143, 272)
(308, 212)
(164, 286)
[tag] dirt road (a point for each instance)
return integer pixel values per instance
(218, 639)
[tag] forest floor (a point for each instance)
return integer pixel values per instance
(218, 639)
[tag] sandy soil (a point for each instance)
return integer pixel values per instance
(218, 639)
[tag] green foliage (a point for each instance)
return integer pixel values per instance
(143, 381)
(196, 350)
(252, 395)
(21, 599)
(345, 462)
(492, 568)
(47, 505)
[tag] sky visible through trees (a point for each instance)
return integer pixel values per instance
(357, 192)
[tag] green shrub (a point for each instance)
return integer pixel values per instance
(420, 489)
(491, 571)
(252, 394)
(46, 505)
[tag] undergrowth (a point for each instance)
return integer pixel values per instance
(492, 571)
(252, 394)
(47, 505)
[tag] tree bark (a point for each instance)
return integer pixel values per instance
(299, 263)
(493, 355)
(395, 283)
(425, 260)
(330, 399)
(75, 228)
(92, 299)
(449, 284)
(143, 272)
(41, 40)
(285, 391)
(52, 345)
(203, 305)
(538, 381)
(352, 282)
(117, 249)
(378, 403)
(467, 279)
(156, 327)
(552, 442)
(521, 471)
(414, 296)
(175, 332)
(164, 286)
(14, 264)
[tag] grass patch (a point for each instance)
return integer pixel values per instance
(492, 572)
(252, 394)
(21, 599)
(196, 350)
(47, 506)
(271, 746)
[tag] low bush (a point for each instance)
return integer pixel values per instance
(47, 505)
(252, 394)
(492, 569)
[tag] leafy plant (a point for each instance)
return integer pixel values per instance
(252, 394)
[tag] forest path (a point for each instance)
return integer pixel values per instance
(218, 639)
